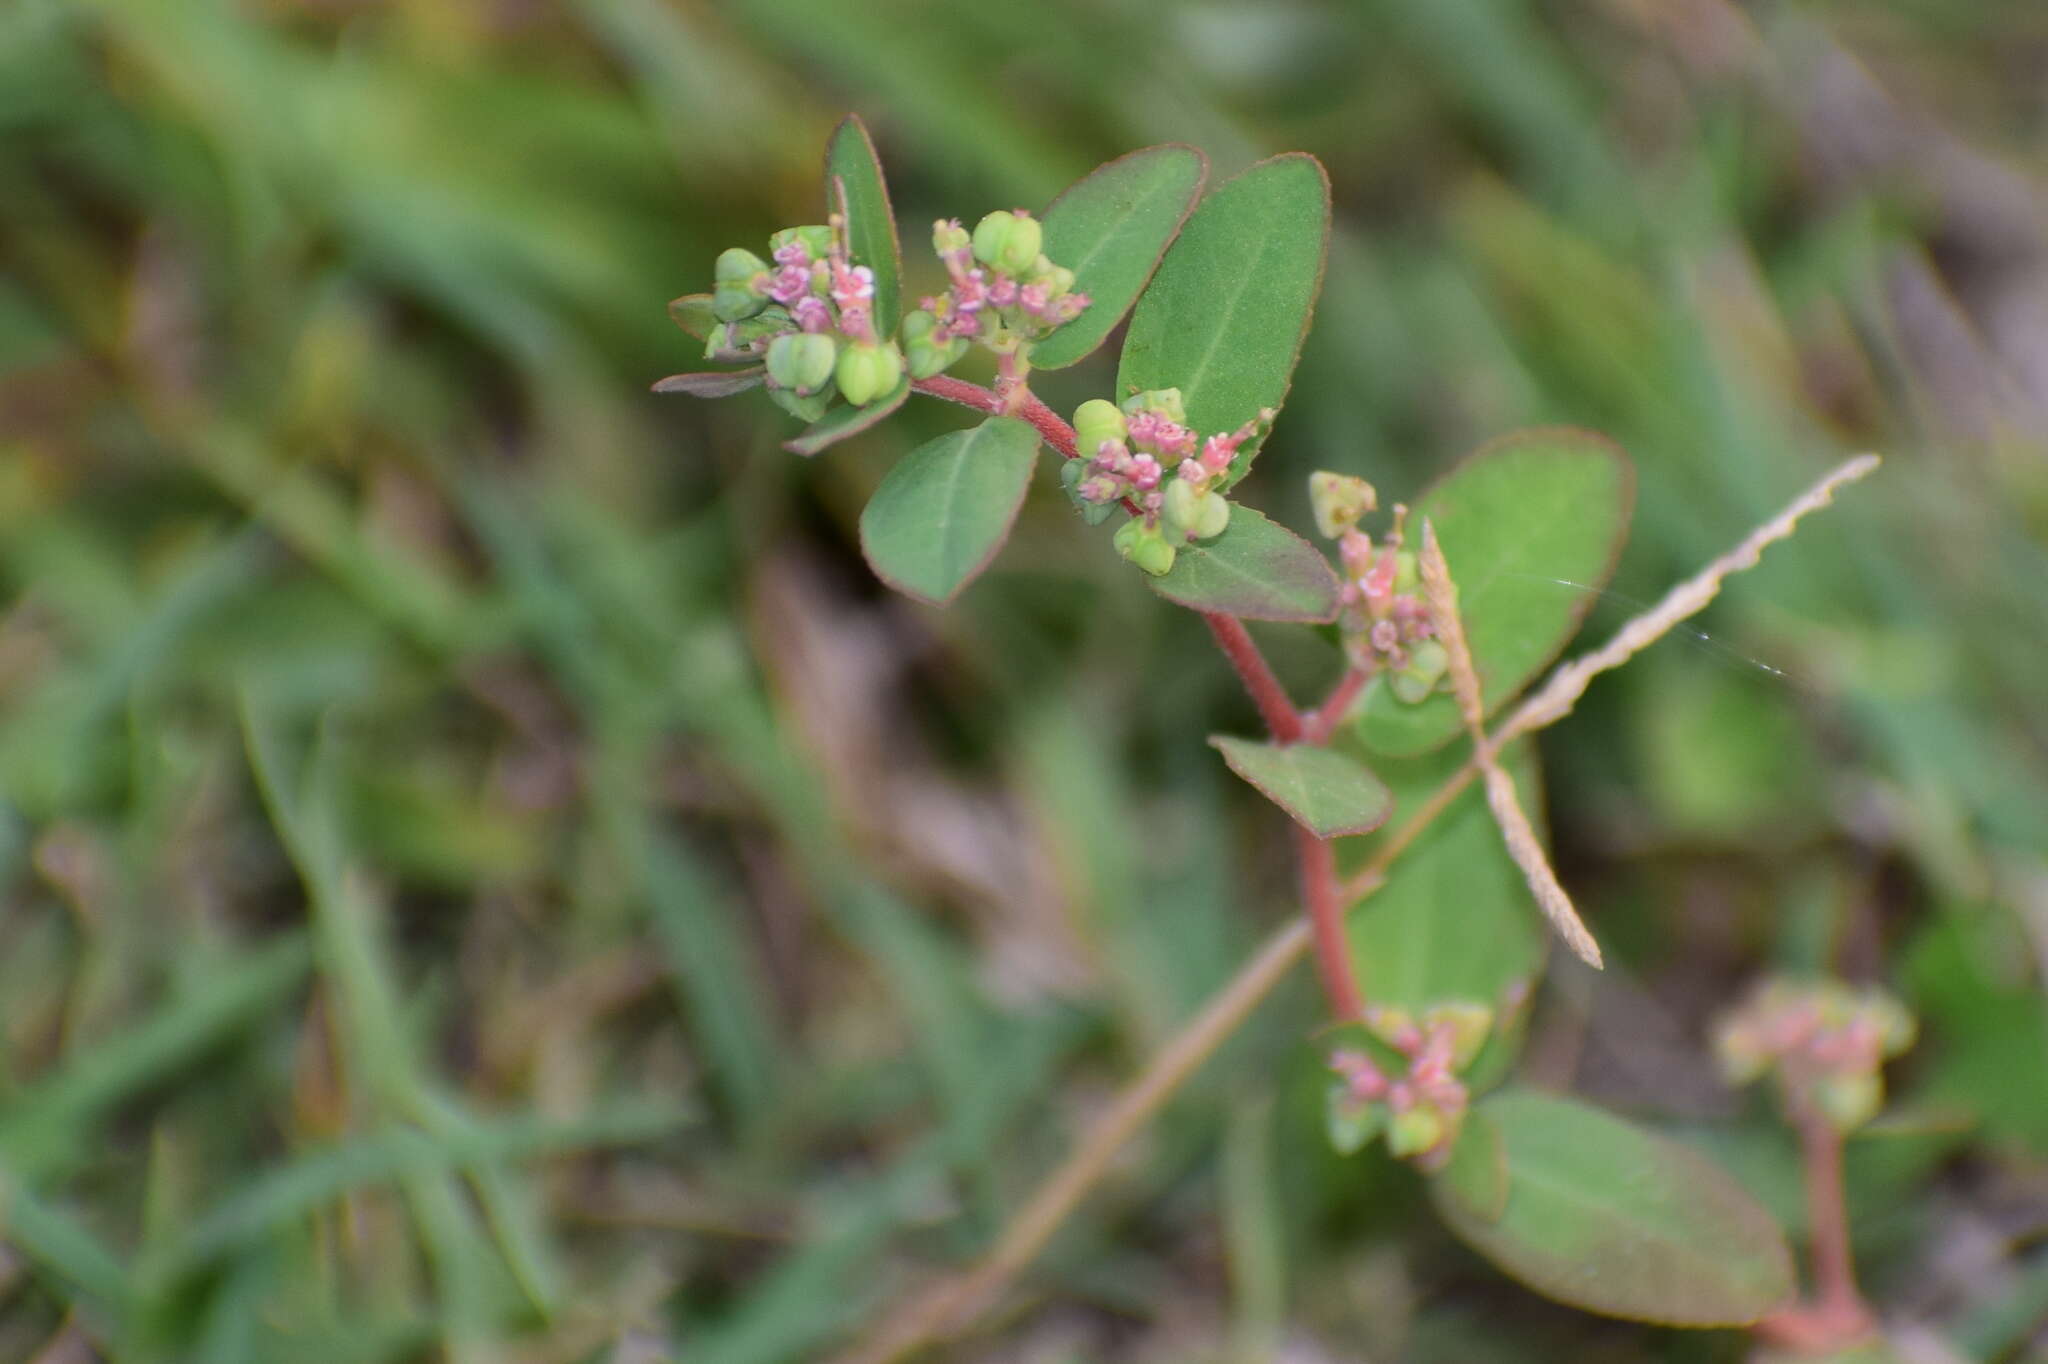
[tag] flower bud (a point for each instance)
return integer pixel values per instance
(1427, 662)
(1183, 506)
(868, 370)
(948, 236)
(815, 237)
(743, 281)
(1339, 501)
(1008, 241)
(1416, 1132)
(1057, 279)
(1849, 1101)
(802, 361)
(1096, 421)
(1469, 1025)
(1144, 545)
(1073, 474)
(926, 349)
(1407, 573)
(1162, 402)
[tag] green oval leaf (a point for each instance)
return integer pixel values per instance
(1256, 569)
(713, 383)
(946, 508)
(1477, 1173)
(844, 420)
(1531, 525)
(1611, 1218)
(1455, 920)
(1223, 319)
(1110, 228)
(692, 312)
(1327, 793)
(850, 162)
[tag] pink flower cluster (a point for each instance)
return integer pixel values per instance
(1384, 619)
(983, 298)
(1423, 1108)
(1136, 467)
(824, 293)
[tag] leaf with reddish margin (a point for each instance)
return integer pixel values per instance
(851, 163)
(1612, 1218)
(946, 508)
(1257, 569)
(1110, 228)
(844, 421)
(713, 383)
(1326, 793)
(1225, 315)
(692, 312)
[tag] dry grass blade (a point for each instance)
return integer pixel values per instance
(1557, 696)
(1520, 836)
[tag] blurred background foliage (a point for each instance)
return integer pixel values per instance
(486, 875)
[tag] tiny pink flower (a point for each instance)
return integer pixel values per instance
(811, 314)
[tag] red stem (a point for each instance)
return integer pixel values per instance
(1267, 694)
(1837, 1316)
(1322, 722)
(1319, 887)
(1318, 858)
(1827, 1212)
(1051, 428)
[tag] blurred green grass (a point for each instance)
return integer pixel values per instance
(485, 875)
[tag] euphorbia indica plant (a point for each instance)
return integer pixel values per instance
(1427, 932)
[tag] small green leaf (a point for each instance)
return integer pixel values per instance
(713, 383)
(1455, 919)
(1255, 569)
(1531, 525)
(1327, 793)
(1224, 318)
(946, 508)
(1611, 1218)
(850, 162)
(692, 312)
(1477, 1174)
(1110, 228)
(845, 420)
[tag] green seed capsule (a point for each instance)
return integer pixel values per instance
(867, 371)
(802, 361)
(742, 285)
(1144, 546)
(1416, 1131)
(1096, 421)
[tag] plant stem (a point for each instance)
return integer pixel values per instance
(1051, 428)
(1322, 722)
(1837, 1315)
(1827, 1211)
(1275, 708)
(947, 1306)
(1320, 894)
